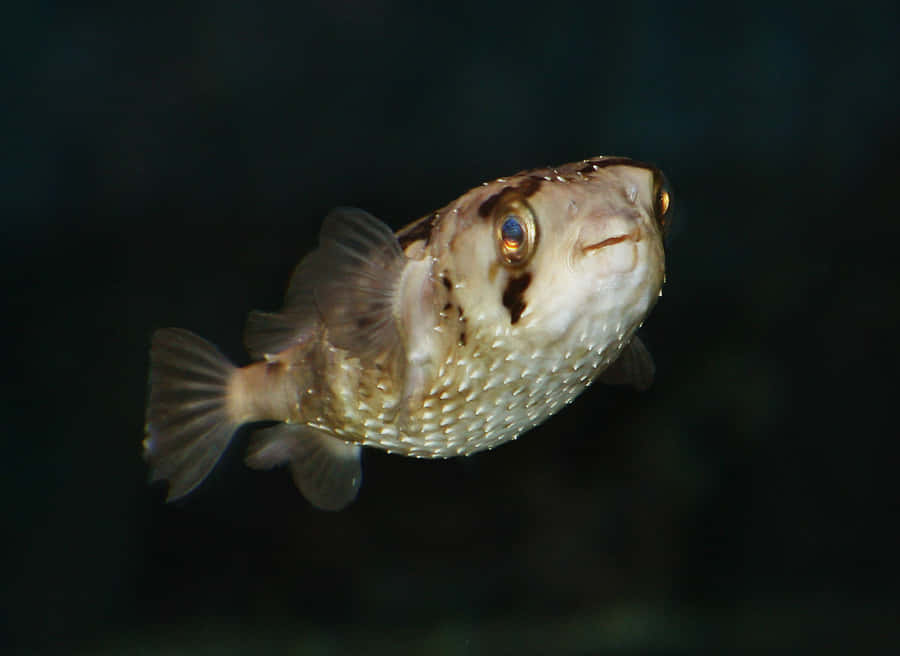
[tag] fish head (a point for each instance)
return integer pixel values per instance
(551, 253)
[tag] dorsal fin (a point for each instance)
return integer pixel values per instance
(634, 367)
(349, 283)
(267, 333)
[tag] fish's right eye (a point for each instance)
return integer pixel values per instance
(516, 233)
(512, 232)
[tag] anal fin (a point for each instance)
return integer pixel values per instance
(325, 469)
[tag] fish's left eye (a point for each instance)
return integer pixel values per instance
(662, 202)
(516, 233)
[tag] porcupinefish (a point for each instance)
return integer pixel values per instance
(456, 334)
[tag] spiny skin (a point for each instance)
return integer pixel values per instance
(505, 347)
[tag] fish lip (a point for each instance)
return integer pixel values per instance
(634, 235)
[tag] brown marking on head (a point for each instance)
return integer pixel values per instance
(418, 230)
(525, 189)
(595, 164)
(514, 295)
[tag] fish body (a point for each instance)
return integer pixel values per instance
(456, 334)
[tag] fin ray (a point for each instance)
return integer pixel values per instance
(198, 460)
(189, 369)
(349, 283)
(324, 468)
(189, 424)
(356, 301)
(267, 333)
(188, 427)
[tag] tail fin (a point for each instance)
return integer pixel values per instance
(188, 425)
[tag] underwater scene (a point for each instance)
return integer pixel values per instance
(516, 328)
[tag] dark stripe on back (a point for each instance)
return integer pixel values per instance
(525, 189)
(514, 296)
(421, 229)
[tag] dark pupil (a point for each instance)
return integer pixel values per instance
(512, 231)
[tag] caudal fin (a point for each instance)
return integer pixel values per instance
(188, 426)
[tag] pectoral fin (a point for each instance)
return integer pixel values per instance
(371, 299)
(356, 300)
(324, 468)
(634, 367)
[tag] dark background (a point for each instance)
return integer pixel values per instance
(170, 167)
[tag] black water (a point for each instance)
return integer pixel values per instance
(169, 167)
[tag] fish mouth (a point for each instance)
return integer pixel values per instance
(634, 235)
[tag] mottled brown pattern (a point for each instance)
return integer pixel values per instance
(514, 296)
(524, 189)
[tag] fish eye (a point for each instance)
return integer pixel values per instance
(516, 233)
(512, 232)
(662, 201)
